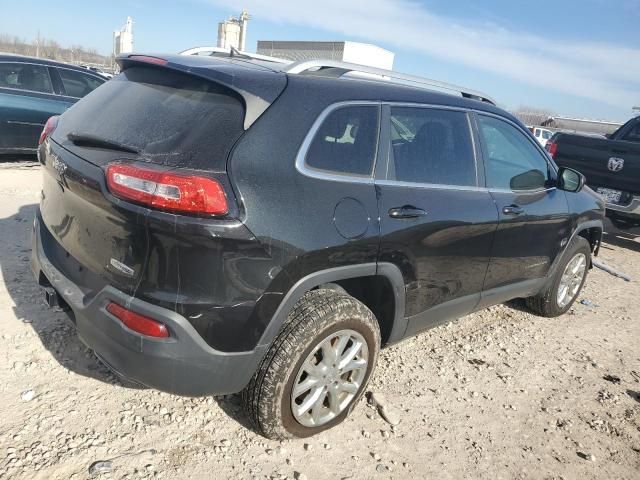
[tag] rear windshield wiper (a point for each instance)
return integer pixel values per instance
(91, 141)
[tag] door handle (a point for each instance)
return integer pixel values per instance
(407, 211)
(513, 210)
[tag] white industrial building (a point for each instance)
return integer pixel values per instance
(123, 38)
(232, 33)
(352, 52)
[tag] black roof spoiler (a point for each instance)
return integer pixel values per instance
(258, 86)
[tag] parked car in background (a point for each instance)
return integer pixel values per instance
(229, 224)
(611, 165)
(31, 91)
(542, 135)
(97, 70)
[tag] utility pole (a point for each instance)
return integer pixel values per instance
(38, 45)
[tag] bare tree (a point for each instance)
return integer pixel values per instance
(47, 48)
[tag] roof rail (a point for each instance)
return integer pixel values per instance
(337, 69)
(231, 52)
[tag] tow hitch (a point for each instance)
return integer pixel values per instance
(53, 299)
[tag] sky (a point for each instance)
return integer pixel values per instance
(577, 58)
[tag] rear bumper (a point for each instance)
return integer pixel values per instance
(182, 364)
(633, 208)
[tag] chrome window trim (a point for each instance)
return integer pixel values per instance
(522, 192)
(432, 186)
(307, 170)
(474, 140)
(30, 91)
(33, 124)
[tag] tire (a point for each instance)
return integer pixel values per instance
(319, 315)
(547, 303)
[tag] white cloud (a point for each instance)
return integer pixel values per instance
(604, 72)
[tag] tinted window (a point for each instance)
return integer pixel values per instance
(431, 146)
(511, 160)
(78, 84)
(170, 117)
(25, 76)
(346, 141)
(633, 135)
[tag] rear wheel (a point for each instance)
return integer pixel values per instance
(567, 283)
(317, 368)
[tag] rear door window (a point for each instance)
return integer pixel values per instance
(431, 146)
(346, 142)
(25, 76)
(78, 84)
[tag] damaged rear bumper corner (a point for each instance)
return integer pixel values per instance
(182, 364)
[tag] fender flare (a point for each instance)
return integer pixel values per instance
(580, 228)
(586, 226)
(388, 270)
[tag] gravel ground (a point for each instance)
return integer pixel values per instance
(497, 394)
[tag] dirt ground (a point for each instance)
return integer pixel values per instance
(500, 394)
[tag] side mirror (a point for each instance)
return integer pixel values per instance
(530, 180)
(570, 180)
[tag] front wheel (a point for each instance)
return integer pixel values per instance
(567, 282)
(317, 368)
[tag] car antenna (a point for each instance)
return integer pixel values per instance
(234, 52)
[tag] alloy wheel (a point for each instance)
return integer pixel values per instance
(329, 378)
(571, 279)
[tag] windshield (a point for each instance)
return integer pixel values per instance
(168, 117)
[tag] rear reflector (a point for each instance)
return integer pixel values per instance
(147, 59)
(138, 323)
(48, 129)
(166, 190)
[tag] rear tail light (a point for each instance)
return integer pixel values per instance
(138, 323)
(48, 129)
(552, 148)
(165, 190)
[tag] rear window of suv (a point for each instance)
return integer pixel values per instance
(346, 142)
(169, 117)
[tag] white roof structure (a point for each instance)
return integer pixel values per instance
(341, 51)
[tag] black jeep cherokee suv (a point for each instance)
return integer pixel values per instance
(225, 225)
